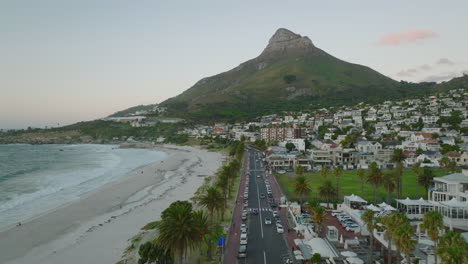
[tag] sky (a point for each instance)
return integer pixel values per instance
(66, 61)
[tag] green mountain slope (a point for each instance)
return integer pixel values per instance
(316, 79)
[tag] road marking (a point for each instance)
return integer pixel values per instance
(258, 197)
(264, 257)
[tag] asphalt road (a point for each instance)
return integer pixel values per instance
(265, 244)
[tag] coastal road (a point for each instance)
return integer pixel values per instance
(265, 244)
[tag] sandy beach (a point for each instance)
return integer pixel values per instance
(96, 228)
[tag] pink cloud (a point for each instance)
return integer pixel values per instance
(409, 36)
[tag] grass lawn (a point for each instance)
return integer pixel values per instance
(351, 184)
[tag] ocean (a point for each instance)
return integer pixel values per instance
(37, 178)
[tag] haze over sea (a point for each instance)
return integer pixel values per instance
(37, 178)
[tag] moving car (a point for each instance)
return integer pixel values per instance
(279, 229)
(262, 196)
(267, 221)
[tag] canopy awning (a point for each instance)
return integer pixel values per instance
(409, 201)
(455, 203)
(355, 198)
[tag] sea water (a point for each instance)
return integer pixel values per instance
(37, 178)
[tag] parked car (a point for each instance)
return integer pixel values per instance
(336, 213)
(281, 171)
(244, 216)
(352, 227)
(243, 227)
(243, 241)
(242, 251)
(267, 221)
(262, 196)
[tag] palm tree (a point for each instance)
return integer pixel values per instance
(301, 187)
(319, 216)
(327, 191)
(403, 242)
(337, 174)
(388, 182)
(374, 177)
(361, 174)
(425, 178)
(416, 168)
(324, 172)
(398, 157)
(452, 248)
(368, 219)
(433, 221)
(177, 231)
(202, 229)
(299, 170)
(445, 162)
(213, 201)
(391, 223)
(223, 184)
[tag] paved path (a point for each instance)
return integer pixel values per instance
(233, 240)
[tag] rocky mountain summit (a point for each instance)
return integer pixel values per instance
(285, 41)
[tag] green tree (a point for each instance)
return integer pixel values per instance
(324, 172)
(362, 176)
(452, 248)
(398, 157)
(389, 183)
(178, 232)
(416, 167)
(391, 223)
(213, 201)
(432, 223)
(316, 258)
(152, 253)
(319, 216)
(368, 217)
(301, 187)
(299, 170)
(425, 178)
(327, 191)
(290, 146)
(289, 78)
(403, 242)
(374, 177)
(337, 174)
(223, 183)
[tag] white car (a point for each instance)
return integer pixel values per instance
(281, 171)
(243, 241)
(244, 216)
(279, 229)
(352, 227)
(267, 221)
(243, 228)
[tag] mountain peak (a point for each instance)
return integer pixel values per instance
(286, 41)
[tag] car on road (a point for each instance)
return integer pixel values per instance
(244, 216)
(243, 227)
(267, 221)
(243, 241)
(242, 251)
(275, 213)
(262, 196)
(243, 234)
(270, 195)
(273, 205)
(258, 176)
(279, 229)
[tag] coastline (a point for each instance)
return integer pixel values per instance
(95, 229)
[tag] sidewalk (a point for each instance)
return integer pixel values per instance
(233, 239)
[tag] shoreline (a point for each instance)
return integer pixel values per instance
(95, 228)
